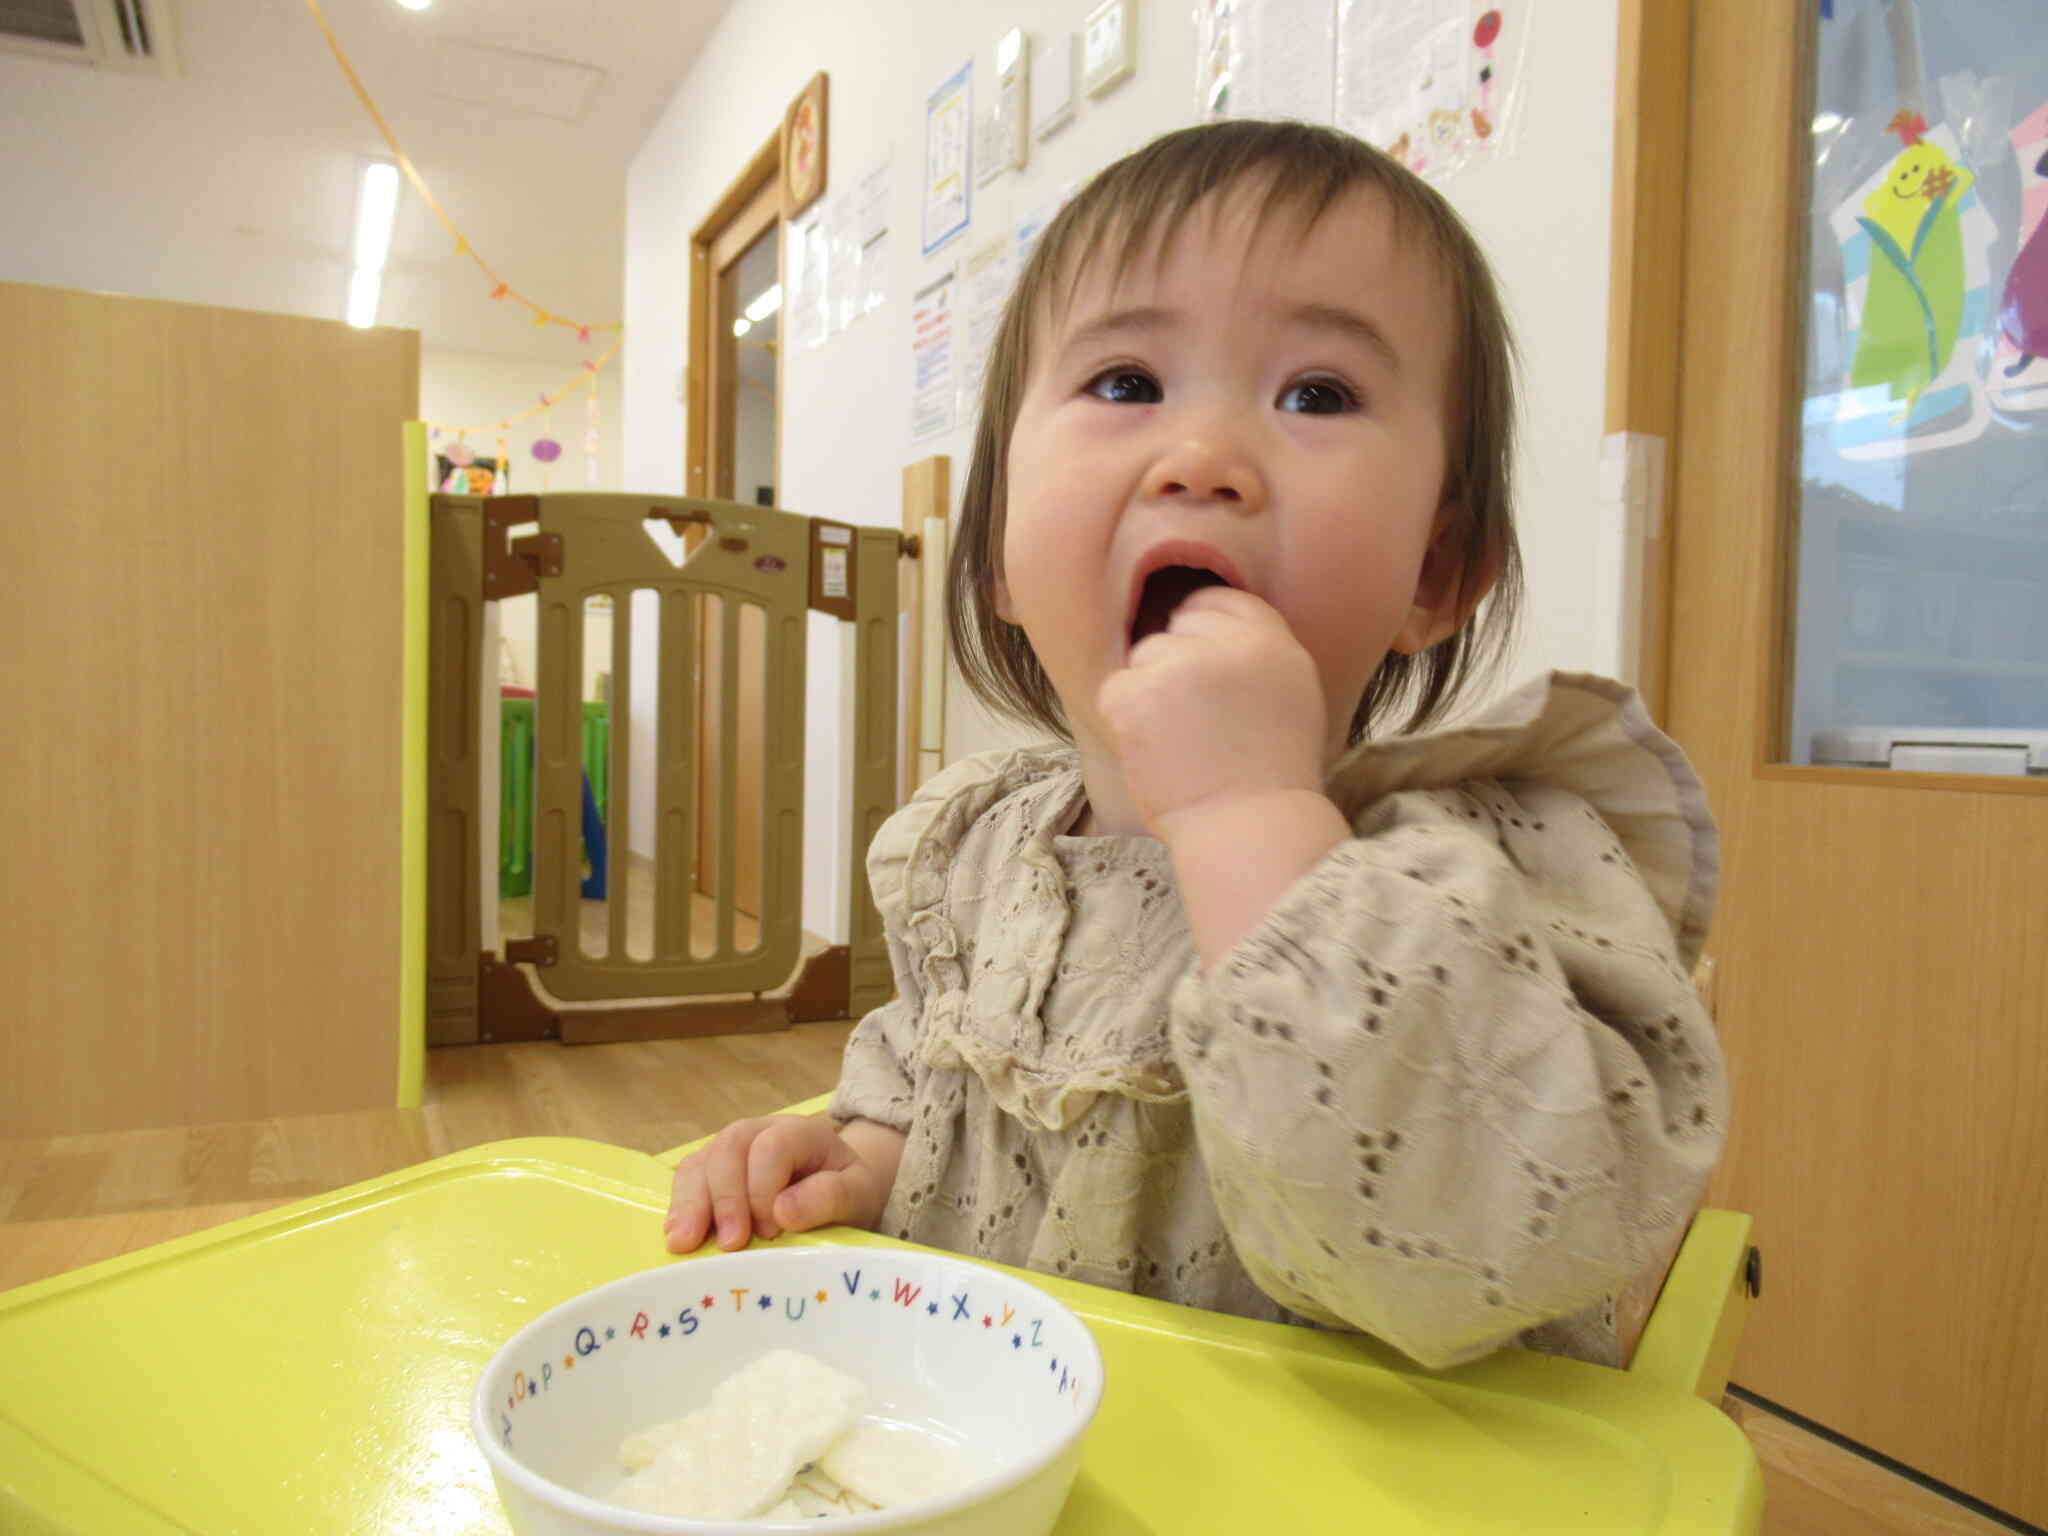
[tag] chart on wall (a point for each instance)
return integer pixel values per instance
(1435, 83)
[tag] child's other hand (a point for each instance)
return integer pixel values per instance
(1224, 701)
(781, 1173)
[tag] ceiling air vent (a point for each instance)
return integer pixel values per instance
(133, 36)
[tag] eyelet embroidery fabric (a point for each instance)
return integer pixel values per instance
(1455, 1091)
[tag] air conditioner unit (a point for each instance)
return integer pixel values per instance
(132, 36)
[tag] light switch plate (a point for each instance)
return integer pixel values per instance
(1052, 90)
(1002, 140)
(1109, 45)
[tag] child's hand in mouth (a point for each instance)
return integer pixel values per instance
(1217, 699)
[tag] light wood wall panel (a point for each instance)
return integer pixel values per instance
(200, 664)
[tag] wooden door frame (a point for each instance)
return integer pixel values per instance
(751, 205)
(763, 174)
(1645, 290)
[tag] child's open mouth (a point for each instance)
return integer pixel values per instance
(1164, 591)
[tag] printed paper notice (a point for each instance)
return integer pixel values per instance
(805, 304)
(871, 229)
(990, 274)
(834, 572)
(1401, 67)
(932, 368)
(843, 284)
(1285, 60)
(948, 133)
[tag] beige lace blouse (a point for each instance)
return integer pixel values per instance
(1455, 1091)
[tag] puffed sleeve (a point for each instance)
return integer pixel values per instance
(1457, 1084)
(874, 1076)
(907, 865)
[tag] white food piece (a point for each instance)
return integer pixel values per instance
(737, 1457)
(817, 1495)
(887, 1465)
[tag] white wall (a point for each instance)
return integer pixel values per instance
(1542, 214)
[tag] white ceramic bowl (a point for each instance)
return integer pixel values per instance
(981, 1358)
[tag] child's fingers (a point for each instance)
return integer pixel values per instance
(689, 1207)
(829, 1197)
(725, 1181)
(787, 1150)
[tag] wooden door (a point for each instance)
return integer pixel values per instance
(1882, 941)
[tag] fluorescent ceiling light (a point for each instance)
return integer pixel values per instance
(363, 287)
(741, 326)
(415, 5)
(376, 208)
(765, 305)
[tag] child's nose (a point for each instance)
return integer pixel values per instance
(1208, 468)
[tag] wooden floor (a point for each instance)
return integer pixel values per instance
(72, 1200)
(515, 918)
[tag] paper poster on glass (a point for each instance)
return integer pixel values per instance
(1435, 83)
(948, 140)
(2019, 374)
(1916, 290)
(1921, 617)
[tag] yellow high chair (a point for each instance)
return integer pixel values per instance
(311, 1368)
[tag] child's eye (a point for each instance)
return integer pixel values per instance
(1125, 386)
(1318, 397)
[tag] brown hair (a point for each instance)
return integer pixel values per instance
(1138, 204)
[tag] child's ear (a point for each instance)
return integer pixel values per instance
(1446, 592)
(999, 592)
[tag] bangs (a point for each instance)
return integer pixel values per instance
(1137, 208)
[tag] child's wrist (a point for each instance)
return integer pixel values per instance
(1234, 858)
(1228, 819)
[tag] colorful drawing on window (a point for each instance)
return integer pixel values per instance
(2019, 369)
(1917, 281)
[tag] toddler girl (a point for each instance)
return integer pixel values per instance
(1235, 998)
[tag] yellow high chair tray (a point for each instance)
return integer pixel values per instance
(309, 1370)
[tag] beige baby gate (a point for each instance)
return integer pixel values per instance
(747, 577)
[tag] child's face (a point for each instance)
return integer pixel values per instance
(1272, 407)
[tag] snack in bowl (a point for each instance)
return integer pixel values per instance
(962, 1397)
(784, 1438)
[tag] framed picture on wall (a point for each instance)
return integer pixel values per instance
(803, 148)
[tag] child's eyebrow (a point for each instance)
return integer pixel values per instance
(1348, 323)
(1118, 322)
(1327, 317)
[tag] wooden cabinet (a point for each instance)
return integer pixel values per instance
(201, 644)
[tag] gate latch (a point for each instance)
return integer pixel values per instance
(542, 552)
(537, 951)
